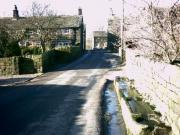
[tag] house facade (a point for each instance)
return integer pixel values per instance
(100, 39)
(114, 30)
(63, 30)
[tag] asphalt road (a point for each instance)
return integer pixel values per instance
(63, 102)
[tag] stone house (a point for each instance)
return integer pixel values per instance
(114, 32)
(64, 29)
(114, 29)
(100, 39)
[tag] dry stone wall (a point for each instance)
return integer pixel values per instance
(159, 83)
(9, 66)
(21, 65)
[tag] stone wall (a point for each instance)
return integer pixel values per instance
(30, 64)
(132, 127)
(9, 66)
(159, 84)
(21, 65)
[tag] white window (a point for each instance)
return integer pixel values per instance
(66, 31)
(30, 32)
(38, 43)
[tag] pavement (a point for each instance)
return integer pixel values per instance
(65, 101)
(16, 79)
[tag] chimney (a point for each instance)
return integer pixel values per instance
(15, 12)
(112, 13)
(80, 11)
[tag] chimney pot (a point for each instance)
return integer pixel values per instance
(15, 12)
(80, 11)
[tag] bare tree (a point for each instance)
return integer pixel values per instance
(42, 22)
(160, 31)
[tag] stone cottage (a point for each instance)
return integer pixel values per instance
(100, 39)
(64, 29)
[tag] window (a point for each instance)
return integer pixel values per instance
(66, 43)
(66, 31)
(38, 43)
(60, 43)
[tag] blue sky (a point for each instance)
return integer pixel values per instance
(95, 12)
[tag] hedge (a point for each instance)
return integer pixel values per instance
(61, 55)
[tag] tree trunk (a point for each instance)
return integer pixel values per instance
(43, 46)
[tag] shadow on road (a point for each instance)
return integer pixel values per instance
(98, 59)
(44, 108)
(12, 80)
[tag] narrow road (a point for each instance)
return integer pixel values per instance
(63, 102)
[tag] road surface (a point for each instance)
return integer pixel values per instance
(63, 102)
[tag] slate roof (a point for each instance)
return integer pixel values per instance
(100, 34)
(69, 21)
(58, 21)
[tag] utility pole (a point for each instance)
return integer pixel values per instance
(122, 51)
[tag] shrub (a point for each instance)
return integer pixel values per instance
(12, 49)
(62, 55)
(26, 66)
(25, 51)
(8, 46)
(3, 41)
(31, 50)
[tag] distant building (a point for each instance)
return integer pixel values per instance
(67, 30)
(89, 44)
(100, 39)
(114, 31)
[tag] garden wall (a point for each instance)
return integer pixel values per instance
(30, 64)
(9, 66)
(159, 83)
